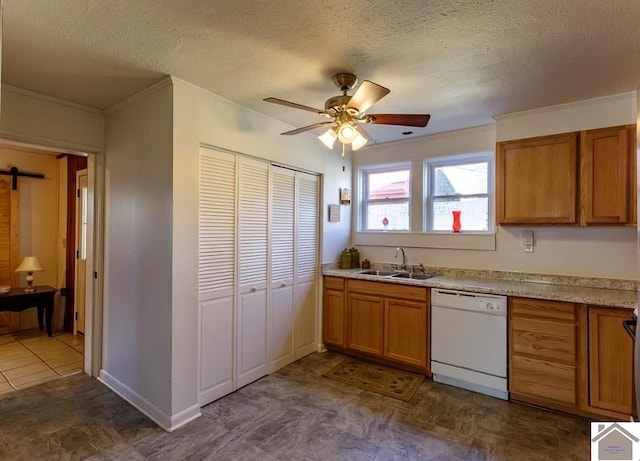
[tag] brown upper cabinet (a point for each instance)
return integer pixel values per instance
(536, 180)
(606, 181)
(585, 178)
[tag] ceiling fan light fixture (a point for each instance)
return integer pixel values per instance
(346, 133)
(358, 141)
(329, 138)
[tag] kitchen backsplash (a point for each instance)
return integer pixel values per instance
(592, 282)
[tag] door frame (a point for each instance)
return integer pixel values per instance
(77, 240)
(93, 337)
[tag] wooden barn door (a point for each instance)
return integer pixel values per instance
(9, 247)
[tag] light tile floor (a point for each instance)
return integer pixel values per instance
(29, 358)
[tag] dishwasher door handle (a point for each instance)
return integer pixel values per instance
(630, 327)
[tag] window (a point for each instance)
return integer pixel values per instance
(463, 184)
(386, 198)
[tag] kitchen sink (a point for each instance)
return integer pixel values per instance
(378, 273)
(407, 275)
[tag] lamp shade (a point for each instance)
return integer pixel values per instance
(329, 138)
(29, 264)
(358, 141)
(346, 133)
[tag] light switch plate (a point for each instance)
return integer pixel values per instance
(527, 241)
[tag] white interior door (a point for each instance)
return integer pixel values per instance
(306, 264)
(253, 214)
(81, 247)
(281, 315)
(216, 274)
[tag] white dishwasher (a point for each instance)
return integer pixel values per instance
(469, 341)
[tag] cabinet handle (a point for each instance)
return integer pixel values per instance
(253, 289)
(283, 284)
(630, 326)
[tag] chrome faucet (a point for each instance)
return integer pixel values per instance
(404, 258)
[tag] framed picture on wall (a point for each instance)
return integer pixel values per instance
(334, 213)
(345, 196)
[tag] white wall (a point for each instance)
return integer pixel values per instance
(38, 221)
(201, 117)
(600, 251)
(37, 119)
(138, 278)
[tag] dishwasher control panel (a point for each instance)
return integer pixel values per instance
(491, 304)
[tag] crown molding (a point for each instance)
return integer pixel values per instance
(51, 99)
(568, 105)
(166, 81)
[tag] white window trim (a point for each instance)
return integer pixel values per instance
(427, 209)
(364, 193)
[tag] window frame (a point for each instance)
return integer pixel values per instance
(364, 173)
(430, 165)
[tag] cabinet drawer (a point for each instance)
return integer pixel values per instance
(543, 379)
(544, 339)
(334, 283)
(387, 289)
(555, 310)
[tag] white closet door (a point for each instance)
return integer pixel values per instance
(306, 264)
(216, 269)
(281, 322)
(253, 207)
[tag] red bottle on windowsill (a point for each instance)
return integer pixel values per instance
(457, 226)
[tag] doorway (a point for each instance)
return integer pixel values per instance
(73, 335)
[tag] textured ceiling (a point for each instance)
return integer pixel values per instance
(461, 61)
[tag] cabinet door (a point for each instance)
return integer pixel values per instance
(605, 189)
(405, 332)
(334, 318)
(365, 323)
(610, 361)
(536, 180)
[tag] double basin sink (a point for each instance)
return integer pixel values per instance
(398, 275)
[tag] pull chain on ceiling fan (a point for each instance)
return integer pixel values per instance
(349, 113)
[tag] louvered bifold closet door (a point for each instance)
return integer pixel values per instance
(281, 320)
(306, 264)
(216, 273)
(253, 213)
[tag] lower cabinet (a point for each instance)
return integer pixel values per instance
(571, 357)
(406, 332)
(544, 366)
(377, 320)
(334, 317)
(365, 323)
(610, 363)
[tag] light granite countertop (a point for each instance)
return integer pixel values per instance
(572, 290)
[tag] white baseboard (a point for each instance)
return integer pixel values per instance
(166, 422)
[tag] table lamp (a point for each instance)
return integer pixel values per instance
(29, 265)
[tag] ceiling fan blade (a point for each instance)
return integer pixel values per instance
(363, 132)
(282, 102)
(306, 128)
(418, 120)
(367, 95)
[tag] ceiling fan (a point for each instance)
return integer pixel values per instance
(349, 113)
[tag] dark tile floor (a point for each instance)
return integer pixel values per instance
(294, 414)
